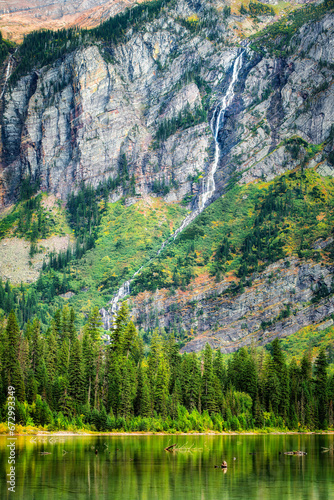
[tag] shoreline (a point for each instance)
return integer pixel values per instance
(122, 434)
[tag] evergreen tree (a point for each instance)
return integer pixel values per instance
(63, 358)
(93, 325)
(126, 388)
(57, 326)
(161, 387)
(190, 380)
(154, 355)
(321, 388)
(219, 368)
(207, 393)
(118, 332)
(89, 359)
(128, 339)
(35, 345)
(13, 372)
(146, 407)
(71, 326)
(76, 388)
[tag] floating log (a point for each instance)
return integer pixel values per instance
(298, 453)
(45, 453)
(170, 447)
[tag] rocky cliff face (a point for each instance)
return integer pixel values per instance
(277, 102)
(278, 303)
(72, 121)
(19, 17)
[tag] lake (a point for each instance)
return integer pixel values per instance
(138, 468)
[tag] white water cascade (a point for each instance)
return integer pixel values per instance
(8, 73)
(217, 122)
(209, 186)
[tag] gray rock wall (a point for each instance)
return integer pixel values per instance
(70, 122)
(230, 322)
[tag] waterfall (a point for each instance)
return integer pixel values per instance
(122, 292)
(8, 73)
(217, 122)
(209, 186)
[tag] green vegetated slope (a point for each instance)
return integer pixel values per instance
(112, 242)
(247, 229)
(275, 39)
(128, 237)
(309, 341)
(32, 220)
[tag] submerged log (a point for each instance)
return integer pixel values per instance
(298, 453)
(222, 466)
(169, 448)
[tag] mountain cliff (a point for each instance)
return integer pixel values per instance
(19, 17)
(179, 106)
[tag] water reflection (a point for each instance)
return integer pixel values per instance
(137, 467)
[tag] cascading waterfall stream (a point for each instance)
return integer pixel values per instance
(209, 186)
(8, 74)
(217, 123)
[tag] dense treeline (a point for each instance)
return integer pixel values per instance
(5, 46)
(25, 301)
(257, 9)
(63, 380)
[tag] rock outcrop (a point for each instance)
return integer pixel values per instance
(72, 122)
(19, 17)
(279, 302)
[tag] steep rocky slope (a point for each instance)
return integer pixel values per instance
(19, 17)
(277, 304)
(72, 121)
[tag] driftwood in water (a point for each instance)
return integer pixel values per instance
(45, 453)
(169, 448)
(222, 466)
(298, 453)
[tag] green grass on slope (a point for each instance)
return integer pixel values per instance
(32, 220)
(128, 237)
(310, 340)
(276, 38)
(247, 229)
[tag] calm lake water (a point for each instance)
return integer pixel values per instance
(138, 468)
